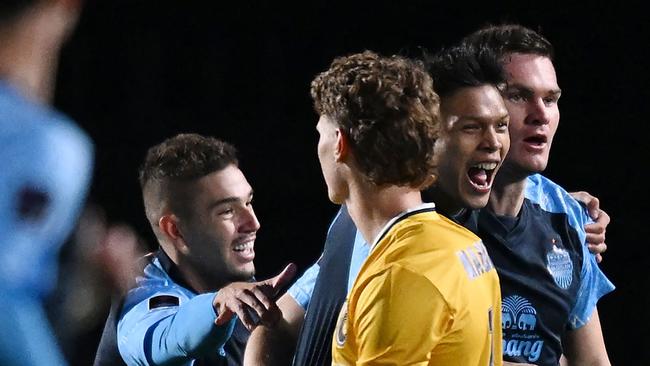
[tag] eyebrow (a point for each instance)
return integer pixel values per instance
(528, 91)
(226, 200)
(483, 118)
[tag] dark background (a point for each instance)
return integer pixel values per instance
(137, 72)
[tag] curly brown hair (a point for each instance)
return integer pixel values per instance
(387, 108)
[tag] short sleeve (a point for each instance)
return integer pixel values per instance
(303, 288)
(593, 285)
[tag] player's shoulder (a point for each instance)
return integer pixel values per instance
(153, 288)
(417, 241)
(432, 227)
(549, 195)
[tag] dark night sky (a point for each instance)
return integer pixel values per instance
(137, 71)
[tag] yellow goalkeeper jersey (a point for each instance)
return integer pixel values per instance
(428, 294)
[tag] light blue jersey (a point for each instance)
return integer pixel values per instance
(163, 322)
(593, 282)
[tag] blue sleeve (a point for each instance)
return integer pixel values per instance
(302, 289)
(593, 282)
(172, 334)
(360, 252)
(593, 285)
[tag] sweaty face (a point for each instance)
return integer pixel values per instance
(220, 228)
(327, 145)
(532, 100)
(472, 145)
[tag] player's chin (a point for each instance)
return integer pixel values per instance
(247, 268)
(475, 200)
(243, 273)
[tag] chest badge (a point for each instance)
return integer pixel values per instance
(560, 266)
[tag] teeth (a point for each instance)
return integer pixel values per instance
(486, 166)
(243, 246)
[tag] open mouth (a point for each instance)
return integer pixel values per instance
(481, 176)
(245, 249)
(536, 140)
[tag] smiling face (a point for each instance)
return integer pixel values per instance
(532, 100)
(219, 227)
(472, 145)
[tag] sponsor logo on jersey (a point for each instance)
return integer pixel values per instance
(341, 332)
(560, 266)
(475, 259)
(518, 320)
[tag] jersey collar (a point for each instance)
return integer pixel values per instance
(425, 207)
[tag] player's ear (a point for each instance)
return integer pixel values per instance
(169, 226)
(342, 145)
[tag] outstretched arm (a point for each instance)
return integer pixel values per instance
(171, 330)
(274, 345)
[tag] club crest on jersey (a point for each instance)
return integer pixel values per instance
(560, 266)
(341, 332)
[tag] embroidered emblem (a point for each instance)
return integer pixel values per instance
(560, 266)
(342, 325)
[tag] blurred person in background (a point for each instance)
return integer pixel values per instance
(46, 172)
(47, 167)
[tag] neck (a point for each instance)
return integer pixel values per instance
(186, 270)
(194, 279)
(30, 45)
(507, 194)
(371, 207)
(445, 204)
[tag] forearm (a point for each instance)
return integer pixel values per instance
(585, 346)
(270, 346)
(275, 345)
